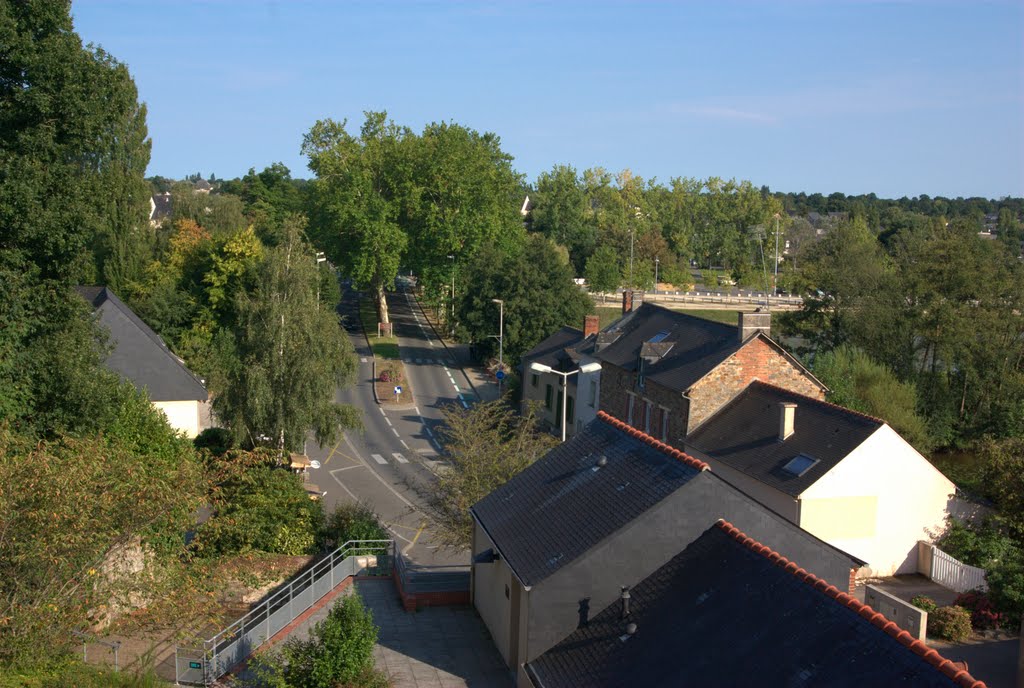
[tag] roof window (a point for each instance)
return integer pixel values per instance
(660, 337)
(799, 464)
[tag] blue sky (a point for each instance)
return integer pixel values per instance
(897, 98)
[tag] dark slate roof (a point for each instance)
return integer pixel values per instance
(744, 434)
(563, 504)
(727, 611)
(698, 345)
(161, 207)
(139, 355)
(557, 349)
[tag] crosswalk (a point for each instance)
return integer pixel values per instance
(398, 457)
(424, 361)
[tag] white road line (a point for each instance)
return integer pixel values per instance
(404, 444)
(362, 359)
(396, 432)
(381, 411)
(399, 458)
(428, 430)
(378, 458)
(464, 404)
(387, 420)
(417, 410)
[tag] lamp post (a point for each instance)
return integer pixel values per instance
(320, 258)
(775, 282)
(631, 257)
(501, 342)
(452, 259)
(656, 261)
(585, 368)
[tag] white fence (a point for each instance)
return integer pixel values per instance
(949, 571)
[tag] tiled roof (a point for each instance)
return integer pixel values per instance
(744, 435)
(556, 349)
(698, 345)
(728, 611)
(565, 503)
(139, 354)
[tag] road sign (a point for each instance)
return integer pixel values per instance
(398, 390)
(500, 375)
(195, 665)
(314, 464)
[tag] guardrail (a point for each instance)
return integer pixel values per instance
(204, 664)
(421, 585)
(751, 298)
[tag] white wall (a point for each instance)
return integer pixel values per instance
(878, 502)
(578, 392)
(489, 584)
(183, 416)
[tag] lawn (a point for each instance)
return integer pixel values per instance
(383, 347)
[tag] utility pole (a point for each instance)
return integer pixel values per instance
(501, 342)
(656, 261)
(452, 259)
(631, 232)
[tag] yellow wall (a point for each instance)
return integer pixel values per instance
(183, 416)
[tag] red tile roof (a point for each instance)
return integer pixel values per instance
(657, 444)
(958, 675)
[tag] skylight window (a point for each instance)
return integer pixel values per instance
(799, 464)
(660, 337)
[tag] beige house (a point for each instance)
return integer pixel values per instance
(847, 478)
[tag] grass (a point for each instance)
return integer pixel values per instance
(729, 317)
(383, 347)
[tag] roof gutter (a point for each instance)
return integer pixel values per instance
(490, 537)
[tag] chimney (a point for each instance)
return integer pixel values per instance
(752, 323)
(787, 417)
(631, 300)
(591, 325)
(625, 601)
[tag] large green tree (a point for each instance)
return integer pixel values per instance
(559, 213)
(287, 357)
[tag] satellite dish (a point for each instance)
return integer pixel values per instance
(314, 464)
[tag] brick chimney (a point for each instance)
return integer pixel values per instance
(591, 325)
(752, 323)
(631, 300)
(787, 418)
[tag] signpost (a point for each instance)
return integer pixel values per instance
(398, 392)
(314, 464)
(500, 375)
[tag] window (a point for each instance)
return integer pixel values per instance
(799, 464)
(548, 396)
(630, 402)
(664, 424)
(533, 379)
(648, 411)
(593, 394)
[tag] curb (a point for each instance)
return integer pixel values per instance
(373, 382)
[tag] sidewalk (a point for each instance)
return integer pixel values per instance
(484, 384)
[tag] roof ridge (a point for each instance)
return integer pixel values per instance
(666, 449)
(959, 676)
(823, 402)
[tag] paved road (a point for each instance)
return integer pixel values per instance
(390, 465)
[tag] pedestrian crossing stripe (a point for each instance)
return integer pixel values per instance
(399, 458)
(379, 459)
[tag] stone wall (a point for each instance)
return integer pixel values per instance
(757, 360)
(616, 384)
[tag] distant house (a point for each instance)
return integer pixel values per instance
(729, 611)
(527, 206)
(159, 208)
(202, 186)
(665, 372)
(140, 356)
(567, 350)
(606, 509)
(845, 477)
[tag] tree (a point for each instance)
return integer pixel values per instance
(537, 288)
(288, 356)
(559, 213)
(487, 444)
(602, 271)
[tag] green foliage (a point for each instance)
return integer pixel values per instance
(339, 652)
(1003, 478)
(288, 355)
(539, 294)
(924, 603)
(859, 383)
(354, 521)
(1005, 581)
(950, 623)
(260, 507)
(983, 545)
(73, 672)
(487, 445)
(215, 440)
(560, 214)
(602, 271)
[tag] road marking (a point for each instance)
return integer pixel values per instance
(381, 411)
(464, 404)
(405, 550)
(399, 458)
(362, 359)
(333, 450)
(379, 459)
(346, 468)
(404, 444)
(426, 452)
(396, 432)
(387, 420)
(417, 410)
(428, 430)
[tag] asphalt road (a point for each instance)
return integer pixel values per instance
(391, 464)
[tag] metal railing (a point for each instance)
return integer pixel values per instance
(204, 664)
(88, 638)
(421, 578)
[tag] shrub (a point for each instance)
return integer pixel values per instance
(339, 652)
(1006, 589)
(983, 613)
(217, 440)
(951, 623)
(352, 522)
(924, 603)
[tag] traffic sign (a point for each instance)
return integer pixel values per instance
(314, 464)
(398, 389)
(500, 375)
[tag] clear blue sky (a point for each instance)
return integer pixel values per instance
(899, 98)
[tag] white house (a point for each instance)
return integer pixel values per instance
(844, 477)
(140, 356)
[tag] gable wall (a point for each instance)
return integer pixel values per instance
(616, 384)
(757, 360)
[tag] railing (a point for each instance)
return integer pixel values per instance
(87, 639)
(216, 656)
(949, 571)
(707, 296)
(419, 578)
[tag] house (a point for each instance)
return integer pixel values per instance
(159, 208)
(576, 393)
(665, 372)
(603, 510)
(202, 186)
(729, 611)
(845, 477)
(140, 356)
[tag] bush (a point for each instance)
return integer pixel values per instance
(951, 623)
(1006, 589)
(924, 603)
(351, 522)
(217, 440)
(983, 613)
(339, 652)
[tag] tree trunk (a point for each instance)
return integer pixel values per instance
(382, 305)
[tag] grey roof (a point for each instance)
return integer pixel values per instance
(698, 345)
(744, 434)
(721, 613)
(161, 207)
(560, 506)
(562, 351)
(138, 354)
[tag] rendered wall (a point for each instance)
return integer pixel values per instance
(181, 415)
(878, 503)
(489, 583)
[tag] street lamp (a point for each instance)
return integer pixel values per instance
(585, 368)
(452, 259)
(320, 258)
(656, 261)
(501, 341)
